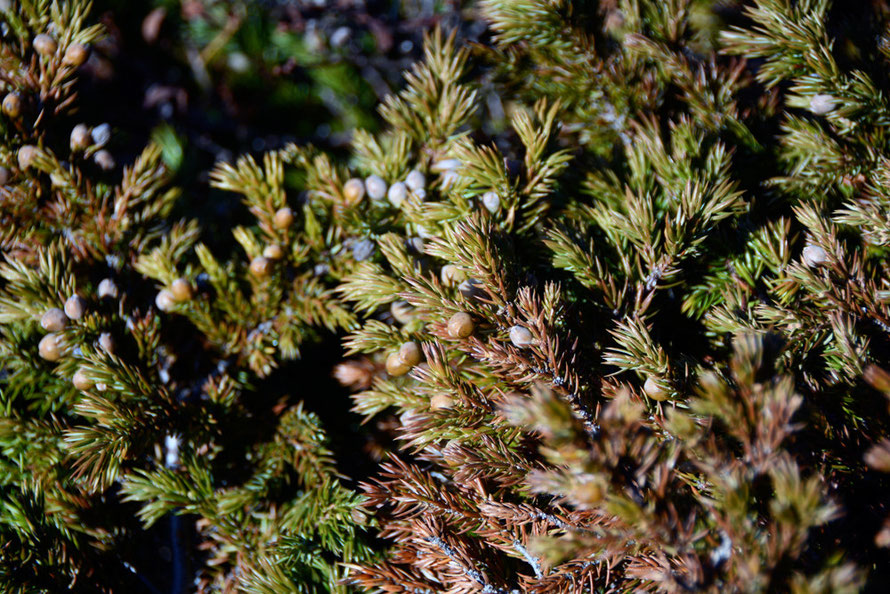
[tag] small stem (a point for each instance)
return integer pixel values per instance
(533, 561)
(471, 572)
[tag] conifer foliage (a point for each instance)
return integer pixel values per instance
(635, 341)
(115, 415)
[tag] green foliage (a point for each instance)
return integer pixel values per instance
(104, 427)
(636, 341)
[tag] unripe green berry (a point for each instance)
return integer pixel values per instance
(56, 179)
(426, 232)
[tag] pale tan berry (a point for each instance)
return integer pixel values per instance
(54, 320)
(107, 343)
(75, 307)
(416, 181)
(446, 165)
(104, 159)
(491, 201)
(397, 194)
(284, 218)
(460, 325)
(45, 45)
(440, 401)
(822, 104)
(358, 516)
(27, 155)
(588, 492)
(814, 256)
(81, 381)
(273, 251)
(410, 353)
(165, 301)
(451, 275)
(449, 178)
(357, 374)
(654, 390)
(260, 266)
(376, 187)
(520, 336)
(364, 249)
(395, 366)
(614, 21)
(181, 290)
(354, 191)
(12, 105)
(80, 138)
(101, 134)
(402, 311)
(57, 180)
(471, 288)
(50, 347)
(107, 288)
(76, 55)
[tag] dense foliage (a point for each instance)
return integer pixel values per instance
(611, 284)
